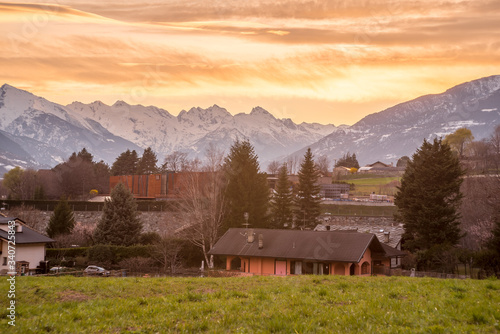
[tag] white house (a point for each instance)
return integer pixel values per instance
(29, 246)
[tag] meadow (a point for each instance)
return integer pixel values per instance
(379, 185)
(299, 304)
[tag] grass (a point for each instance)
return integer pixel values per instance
(301, 304)
(378, 185)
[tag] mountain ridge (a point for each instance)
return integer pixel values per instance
(46, 133)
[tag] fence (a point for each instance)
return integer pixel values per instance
(413, 273)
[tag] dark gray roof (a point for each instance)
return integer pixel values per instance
(27, 236)
(395, 230)
(392, 252)
(296, 244)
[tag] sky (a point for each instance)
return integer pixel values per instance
(311, 61)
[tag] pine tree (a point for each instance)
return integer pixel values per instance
(85, 155)
(247, 189)
(125, 164)
(119, 224)
(62, 220)
(281, 204)
(147, 164)
(348, 160)
(429, 198)
(308, 200)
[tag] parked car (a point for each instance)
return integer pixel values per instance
(95, 270)
(57, 269)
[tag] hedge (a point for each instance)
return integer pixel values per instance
(100, 253)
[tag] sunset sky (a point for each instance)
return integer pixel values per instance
(314, 61)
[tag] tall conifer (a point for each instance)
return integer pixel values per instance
(429, 198)
(62, 220)
(247, 190)
(119, 224)
(281, 204)
(308, 200)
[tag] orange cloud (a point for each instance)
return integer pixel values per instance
(333, 53)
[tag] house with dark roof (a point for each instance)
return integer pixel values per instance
(390, 234)
(296, 252)
(29, 246)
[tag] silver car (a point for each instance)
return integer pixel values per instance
(95, 270)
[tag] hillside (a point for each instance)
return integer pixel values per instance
(300, 304)
(39, 133)
(397, 131)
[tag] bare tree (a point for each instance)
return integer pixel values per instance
(167, 252)
(273, 167)
(481, 200)
(31, 216)
(495, 145)
(202, 202)
(291, 164)
(175, 161)
(323, 164)
(479, 156)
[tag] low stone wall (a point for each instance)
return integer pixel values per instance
(153, 221)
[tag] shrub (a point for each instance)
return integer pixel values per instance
(137, 264)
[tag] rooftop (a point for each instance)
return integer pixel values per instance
(297, 244)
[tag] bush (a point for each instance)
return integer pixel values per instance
(66, 252)
(101, 254)
(138, 264)
(149, 238)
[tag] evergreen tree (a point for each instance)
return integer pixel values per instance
(403, 161)
(429, 198)
(125, 164)
(247, 189)
(62, 220)
(281, 204)
(80, 174)
(308, 200)
(147, 164)
(85, 155)
(348, 160)
(119, 224)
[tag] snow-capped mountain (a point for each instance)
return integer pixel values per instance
(38, 133)
(47, 133)
(192, 131)
(400, 130)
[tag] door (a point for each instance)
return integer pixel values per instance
(280, 268)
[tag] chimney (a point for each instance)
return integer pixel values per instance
(19, 228)
(387, 236)
(250, 236)
(261, 241)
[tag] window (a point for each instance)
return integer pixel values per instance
(4, 261)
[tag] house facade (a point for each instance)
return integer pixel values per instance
(296, 252)
(29, 248)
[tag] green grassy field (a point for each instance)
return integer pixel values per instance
(379, 185)
(302, 304)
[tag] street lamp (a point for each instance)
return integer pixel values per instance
(246, 215)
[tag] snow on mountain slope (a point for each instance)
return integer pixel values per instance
(191, 131)
(400, 130)
(47, 133)
(50, 132)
